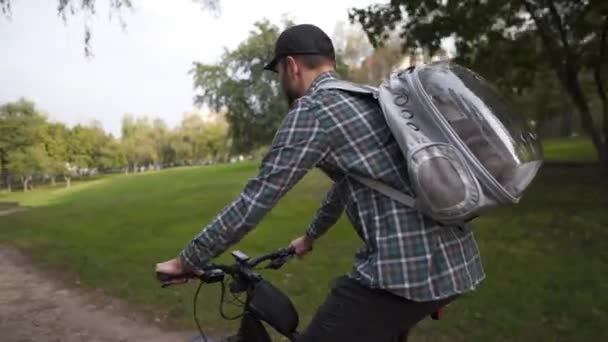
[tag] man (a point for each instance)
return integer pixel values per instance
(408, 267)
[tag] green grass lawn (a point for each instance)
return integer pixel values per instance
(546, 259)
(579, 149)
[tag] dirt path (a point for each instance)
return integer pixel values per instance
(6, 212)
(35, 308)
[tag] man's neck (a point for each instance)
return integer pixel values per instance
(312, 75)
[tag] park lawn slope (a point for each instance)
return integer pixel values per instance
(546, 259)
(576, 149)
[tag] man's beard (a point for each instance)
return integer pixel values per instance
(290, 99)
(290, 95)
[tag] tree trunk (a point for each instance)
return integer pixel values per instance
(603, 151)
(4, 172)
(566, 129)
(68, 181)
(601, 91)
(574, 89)
(24, 180)
(8, 182)
(53, 183)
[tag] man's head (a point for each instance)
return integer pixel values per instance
(301, 53)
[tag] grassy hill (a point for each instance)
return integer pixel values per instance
(579, 149)
(546, 259)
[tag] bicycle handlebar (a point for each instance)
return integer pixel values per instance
(243, 265)
(281, 254)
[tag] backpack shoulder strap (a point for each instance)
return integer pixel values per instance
(349, 86)
(397, 195)
(372, 183)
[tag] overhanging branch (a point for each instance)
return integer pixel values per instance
(557, 21)
(546, 39)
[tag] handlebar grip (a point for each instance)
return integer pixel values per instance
(212, 276)
(291, 250)
(164, 277)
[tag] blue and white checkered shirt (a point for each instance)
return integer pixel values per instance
(343, 133)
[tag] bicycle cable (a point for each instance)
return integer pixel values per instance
(222, 299)
(236, 298)
(198, 325)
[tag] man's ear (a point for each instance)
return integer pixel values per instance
(292, 66)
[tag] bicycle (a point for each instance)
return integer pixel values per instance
(263, 302)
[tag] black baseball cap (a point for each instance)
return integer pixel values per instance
(303, 39)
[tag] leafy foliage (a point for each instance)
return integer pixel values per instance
(34, 149)
(238, 86)
(510, 42)
(20, 126)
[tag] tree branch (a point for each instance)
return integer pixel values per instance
(566, 72)
(5, 7)
(552, 55)
(557, 20)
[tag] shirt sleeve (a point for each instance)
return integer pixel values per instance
(328, 214)
(299, 144)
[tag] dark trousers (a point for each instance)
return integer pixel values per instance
(353, 313)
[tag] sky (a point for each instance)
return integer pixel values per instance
(142, 69)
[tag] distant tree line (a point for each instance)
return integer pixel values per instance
(36, 150)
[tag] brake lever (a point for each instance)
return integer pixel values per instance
(167, 280)
(277, 263)
(212, 276)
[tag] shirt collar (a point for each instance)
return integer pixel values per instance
(322, 78)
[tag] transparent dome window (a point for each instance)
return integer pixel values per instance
(497, 136)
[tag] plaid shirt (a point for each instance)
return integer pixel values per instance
(342, 133)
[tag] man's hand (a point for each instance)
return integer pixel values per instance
(302, 245)
(172, 272)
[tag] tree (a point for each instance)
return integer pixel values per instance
(86, 142)
(367, 64)
(56, 145)
(191, 130)
(238, 86)
(178, 150)
(377, 67)
(214, 140)
(351, 43)
(567, 37)
(21, 125)
(138, 142)
(26, 162)
(112, 156)
(160, 136)
(544, 103)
